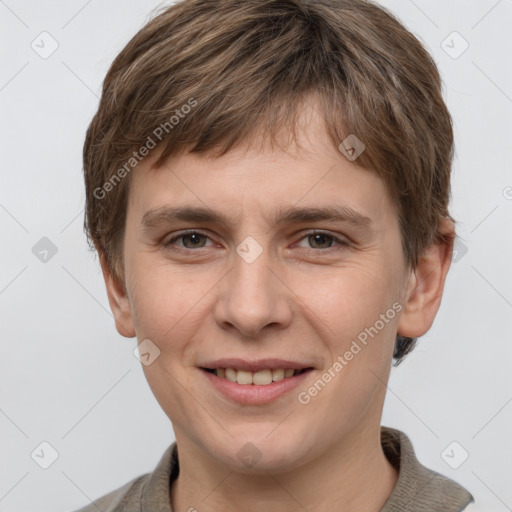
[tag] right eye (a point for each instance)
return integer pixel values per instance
(190, 240)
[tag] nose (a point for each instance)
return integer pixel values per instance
(253, 298)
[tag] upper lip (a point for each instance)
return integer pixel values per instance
(254, 365)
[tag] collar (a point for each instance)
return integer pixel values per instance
(418, 488)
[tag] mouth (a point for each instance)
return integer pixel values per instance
(255, 382)
(262, 377)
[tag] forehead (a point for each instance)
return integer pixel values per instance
(264, 180)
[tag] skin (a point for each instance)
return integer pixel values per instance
(302, 299)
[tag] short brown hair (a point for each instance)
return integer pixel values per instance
(245, 68)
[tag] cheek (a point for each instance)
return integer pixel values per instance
(358, 324)
(362, 328)
(170, 308)
(347, 300)
(160, 299)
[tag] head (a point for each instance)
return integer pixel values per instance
(245, 111)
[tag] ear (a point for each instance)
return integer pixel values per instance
(118, 300)
(426, 284)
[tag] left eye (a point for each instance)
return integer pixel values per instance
(322, 240)
(316, 240)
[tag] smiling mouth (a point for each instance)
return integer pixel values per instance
(259, 378)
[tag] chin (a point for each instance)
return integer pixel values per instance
(258, 454)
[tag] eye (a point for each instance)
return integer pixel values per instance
(321, 240)
(190, 240)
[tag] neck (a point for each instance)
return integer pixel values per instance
(354, 476)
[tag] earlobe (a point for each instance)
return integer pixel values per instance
(118, 300)
(425, 285)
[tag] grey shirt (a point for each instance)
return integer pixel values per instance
(418, 489)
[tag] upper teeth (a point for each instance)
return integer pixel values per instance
(260, 378)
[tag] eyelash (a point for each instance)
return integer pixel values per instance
(340, 242)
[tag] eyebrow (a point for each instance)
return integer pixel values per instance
(289, 215)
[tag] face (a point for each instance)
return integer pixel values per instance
(237, 270)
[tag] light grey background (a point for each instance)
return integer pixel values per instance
(68, 378)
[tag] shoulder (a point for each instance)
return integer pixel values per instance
(146, 493)
(126, 498)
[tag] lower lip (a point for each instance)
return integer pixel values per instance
(251, 393)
